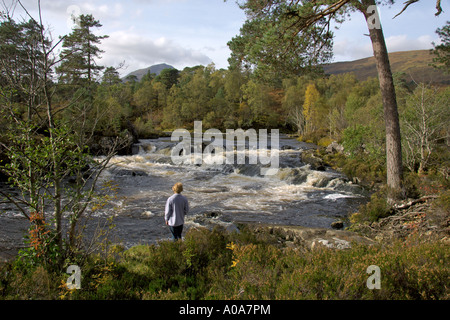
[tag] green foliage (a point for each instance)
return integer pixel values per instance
(168, 77)
(37, 163)
(443, 201)
(354, 139)
(45, 133)
(376, 208)
(214, 264)
(143, 128)
(42, 248)
(442, 51)
(268, 44)
(111, 76)
(40, 167)
(78, 67)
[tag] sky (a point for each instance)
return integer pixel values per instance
(185, 33)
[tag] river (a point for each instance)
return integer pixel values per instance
(219, 194)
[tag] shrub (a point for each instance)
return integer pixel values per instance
(214, 264)
(354, 139)
(324, 142)
(408, 271)
(376, 208)
(36, 283)
(443, 201)
(144, 128)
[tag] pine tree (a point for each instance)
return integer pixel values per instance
(21, 54)
(78, 66)
(442, 51)
(111, 76)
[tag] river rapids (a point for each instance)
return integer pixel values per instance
(219, 194)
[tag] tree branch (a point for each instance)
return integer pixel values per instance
(438, 8)
(407, 4)
(413, 202)
(16, 203)
(305, 22)
(410, 2)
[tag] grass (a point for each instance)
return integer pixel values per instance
(214, 264)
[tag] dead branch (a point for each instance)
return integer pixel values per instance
(410, 2)
(413, 202)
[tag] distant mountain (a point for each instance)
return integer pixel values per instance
(156, 69)
(414, 64)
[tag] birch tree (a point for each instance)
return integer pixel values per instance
(425, 121)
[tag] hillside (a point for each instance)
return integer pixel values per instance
(414, 64)
(156, 69)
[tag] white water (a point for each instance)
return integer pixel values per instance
(296, 195)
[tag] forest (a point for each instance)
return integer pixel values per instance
(319, 108)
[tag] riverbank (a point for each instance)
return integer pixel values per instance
(253, 264)
(261, 261)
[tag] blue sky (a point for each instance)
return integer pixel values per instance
(191, 32)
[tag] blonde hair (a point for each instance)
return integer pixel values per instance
(177, 187)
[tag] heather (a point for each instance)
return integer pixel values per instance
(215, 264)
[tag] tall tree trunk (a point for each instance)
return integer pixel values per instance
(393, 138)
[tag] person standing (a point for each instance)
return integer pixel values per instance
(177, 206)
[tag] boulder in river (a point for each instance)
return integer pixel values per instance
(309, 157)
(102, 145)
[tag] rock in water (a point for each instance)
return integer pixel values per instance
(308, 157)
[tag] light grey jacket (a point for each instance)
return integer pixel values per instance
(177, 206)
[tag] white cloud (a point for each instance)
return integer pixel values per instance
(144, 32)
(351, 49)
(346, 50)
(403, 43)
(140, 51)
(59, 9)
(103, 11)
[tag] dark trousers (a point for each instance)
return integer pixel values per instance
(176, 232)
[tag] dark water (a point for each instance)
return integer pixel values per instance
(218, 194)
